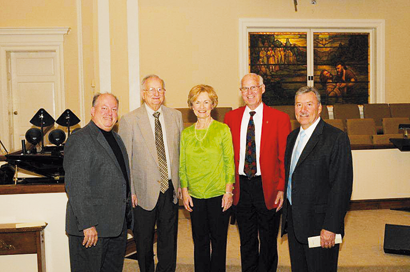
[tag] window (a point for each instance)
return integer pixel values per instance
(340, 58)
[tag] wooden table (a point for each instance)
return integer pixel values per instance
(23, 240)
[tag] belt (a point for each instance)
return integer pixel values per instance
(249, 178)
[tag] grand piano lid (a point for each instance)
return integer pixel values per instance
(42, 116)
(68, 119)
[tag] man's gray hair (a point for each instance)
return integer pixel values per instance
(260, 79)
(307, 89)
(151, 76)
(97, 95)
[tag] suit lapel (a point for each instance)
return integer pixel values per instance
(103, 142)
(310, 145)
(237, 132)
(265, 126)
(123, 152)
(289, 149)
(146, 131)
(239, 122)
(169, 129)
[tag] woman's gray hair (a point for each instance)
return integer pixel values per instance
(307, 89)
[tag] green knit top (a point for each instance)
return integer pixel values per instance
(206, 160)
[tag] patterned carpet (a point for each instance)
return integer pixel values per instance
(362, 248)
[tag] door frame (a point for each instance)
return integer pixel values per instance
(28, 39)
(375, 27)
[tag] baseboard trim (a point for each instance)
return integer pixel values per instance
(376, 204)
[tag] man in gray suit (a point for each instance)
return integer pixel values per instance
(99, 201)
(151, 135)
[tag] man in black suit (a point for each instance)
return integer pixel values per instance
(319, 178)
(99, 201)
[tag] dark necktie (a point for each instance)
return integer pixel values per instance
(250, 151)
(162, 159)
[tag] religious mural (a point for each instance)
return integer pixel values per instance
(341, 65)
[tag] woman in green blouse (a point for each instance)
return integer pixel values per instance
(207, 174)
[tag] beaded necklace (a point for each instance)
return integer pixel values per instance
(206, 132)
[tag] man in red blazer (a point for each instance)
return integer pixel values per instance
(259, 138)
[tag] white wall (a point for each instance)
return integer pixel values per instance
(49, 208)
(380, 174)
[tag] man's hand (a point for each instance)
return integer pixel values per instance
(179, 193)
(327, 239)
(90, 237)
(188, 204)
(279, 200)
(134, 201)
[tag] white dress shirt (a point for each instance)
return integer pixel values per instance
(257, 119)
(308, 132)
(164, 132)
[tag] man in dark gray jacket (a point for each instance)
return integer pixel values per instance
(97, 185)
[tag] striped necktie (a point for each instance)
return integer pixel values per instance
(162, 159)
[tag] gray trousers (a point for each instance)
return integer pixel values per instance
(107, 256)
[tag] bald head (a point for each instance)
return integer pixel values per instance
(254, 77)
(252, 89)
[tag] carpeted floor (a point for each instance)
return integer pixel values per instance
(362, 248)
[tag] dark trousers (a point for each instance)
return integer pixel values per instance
(165, 215)
(209, 228)
(256, 221)
(107, 256)
(305, 259)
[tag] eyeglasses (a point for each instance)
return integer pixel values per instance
(251, 88)
(152, 90)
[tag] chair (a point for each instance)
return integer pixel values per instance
(377, 112)
(391, 125)
(360, 131)
(294, 124)
(289, 109)
(400, 110)
(336, 123)
(219, 113)
(325, 112)
(385, 139)
(361, 139)
(188, 116)
(365, 126)
(346, 111)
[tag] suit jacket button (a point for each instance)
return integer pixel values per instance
(159, 181)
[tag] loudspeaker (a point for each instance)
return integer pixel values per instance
(397, 239)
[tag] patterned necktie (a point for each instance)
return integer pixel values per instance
(295, 158)
(162, 159)
(250, 151)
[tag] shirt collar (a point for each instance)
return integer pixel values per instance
(151, 111)
(309, 130)
(258, 110)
